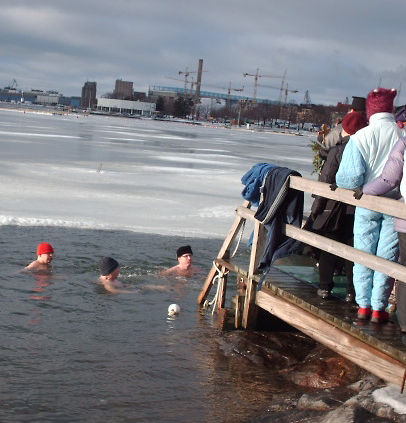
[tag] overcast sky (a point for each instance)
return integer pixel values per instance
(333, 49)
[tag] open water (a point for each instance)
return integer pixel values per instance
(70, 352)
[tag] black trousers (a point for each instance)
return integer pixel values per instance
(329, 262)
(401, 293)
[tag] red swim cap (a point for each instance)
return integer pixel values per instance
(44, 248)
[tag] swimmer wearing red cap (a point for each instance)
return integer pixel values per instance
(45, 253)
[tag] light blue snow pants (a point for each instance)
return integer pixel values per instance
(374, 233)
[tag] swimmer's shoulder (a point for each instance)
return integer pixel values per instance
(171, 271)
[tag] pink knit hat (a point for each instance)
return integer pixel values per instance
(380, 100)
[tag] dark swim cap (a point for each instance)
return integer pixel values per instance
(186, 249)
(107, 265)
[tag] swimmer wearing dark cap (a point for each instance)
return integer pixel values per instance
(109, 271)
(185, 265)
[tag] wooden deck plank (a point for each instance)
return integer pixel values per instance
(347, 345)
(386, 337)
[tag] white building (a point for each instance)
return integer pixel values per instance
(48, 99)
(112, 105)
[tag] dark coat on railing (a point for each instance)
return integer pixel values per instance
(279, 205)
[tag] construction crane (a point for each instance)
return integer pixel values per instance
(256, 76)
(187, 73)
(277, 88)
(12, 86)
(192, 84)
(282, 85)
(287, 90)
(307, 101)
(229, 89)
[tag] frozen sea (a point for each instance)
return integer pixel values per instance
(135, 190)
(146, 176)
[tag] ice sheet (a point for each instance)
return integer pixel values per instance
(161, 177)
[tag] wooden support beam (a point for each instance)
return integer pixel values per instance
(239, 303)
(249, 312)
(223, 253)
(246, 213)
(343, 343)
(221, 299)
(231, 266)
(380, 204)
(257, 248)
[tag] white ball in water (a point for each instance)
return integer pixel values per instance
(173, 309)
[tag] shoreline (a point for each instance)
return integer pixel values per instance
(49, 110)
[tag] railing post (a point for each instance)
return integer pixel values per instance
(224, 251)
(250, 312)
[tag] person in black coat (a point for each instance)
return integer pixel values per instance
(333, 219)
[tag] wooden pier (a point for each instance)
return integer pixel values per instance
(378, 348)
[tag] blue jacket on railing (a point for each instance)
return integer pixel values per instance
(253, 181)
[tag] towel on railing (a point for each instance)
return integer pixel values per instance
(279, 205)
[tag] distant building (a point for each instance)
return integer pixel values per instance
(17, 96)
(139, 95)
(88, 98)
(74, 102)
(123, 90)
(125, 107)
(48, 98)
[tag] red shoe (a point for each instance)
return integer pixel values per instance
(379, 316)
(364, 313)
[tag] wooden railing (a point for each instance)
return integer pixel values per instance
(380, 204)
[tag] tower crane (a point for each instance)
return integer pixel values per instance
(277, 88)
(192, 84)
(307, 99)
(13, 85)
(229, 89)
(256, 76)
(187, 73)
(287, 90)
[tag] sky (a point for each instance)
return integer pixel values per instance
(331, 49)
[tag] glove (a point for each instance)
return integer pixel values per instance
(333, 186)
(358, 193)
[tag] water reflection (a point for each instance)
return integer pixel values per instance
(42, 281)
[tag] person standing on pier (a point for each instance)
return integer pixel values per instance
(363, 160)
(333, 219)
(393, 176)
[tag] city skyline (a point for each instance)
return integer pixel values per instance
(331, 50)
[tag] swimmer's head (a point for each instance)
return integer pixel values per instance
(108, 265)
(44, 248)
(45, 253)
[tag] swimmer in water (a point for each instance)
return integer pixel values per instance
(42, 264)
(185, 265)
(109, 272)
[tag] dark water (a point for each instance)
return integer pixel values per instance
(70, 352)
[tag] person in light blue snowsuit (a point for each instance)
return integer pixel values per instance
(363, 160)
